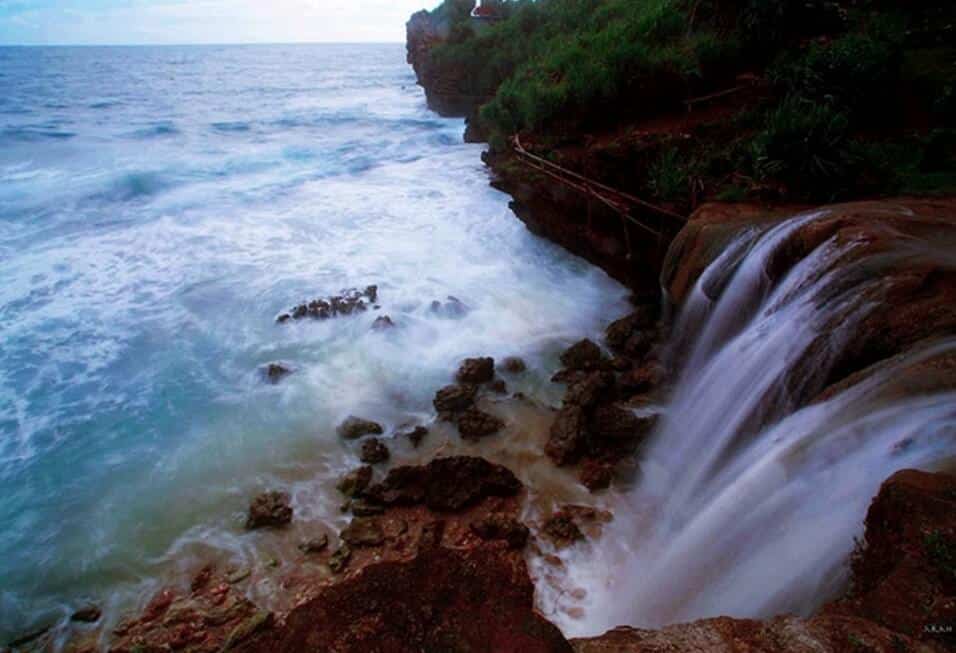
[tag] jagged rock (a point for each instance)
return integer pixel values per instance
(611, 422)
(453, 308)
(582, 355)
(269, 510)
(640, 343)
(373, 452)
(355, 481)
(415, 435)
(474, 424)
(314, 545)
(363, 508)
(261, 620)
(355, 427)
(445, 484)
(513, 365)
(275, 372)
(591, 389)
(642, 379)
(619, 331)
(339, 560)
(345, 303)
(596, 474)
(383, 323)
(562, 530)
(567, 436)
(501, 527)
(476, 370)
(454, 398)
(363, 531)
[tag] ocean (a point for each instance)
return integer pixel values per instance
(159, 207)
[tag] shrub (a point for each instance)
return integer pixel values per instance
(668, 178)
(806, 146)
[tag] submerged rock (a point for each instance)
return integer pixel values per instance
(269, 510)
(562, 530)
(275, 372)
(513, 365)
(474, 424)
(373, 452)
(453, 308)
(445, 484)
(415, 435)
(383, 323)
(355, 427)
(476, 370)
(87, 614)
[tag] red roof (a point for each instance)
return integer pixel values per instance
(482, 11)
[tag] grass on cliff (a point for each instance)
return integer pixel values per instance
(859, 94)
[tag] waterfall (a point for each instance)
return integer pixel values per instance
(754, 488)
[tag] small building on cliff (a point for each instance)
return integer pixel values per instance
(485, 13)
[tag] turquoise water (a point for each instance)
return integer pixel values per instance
(158, 208)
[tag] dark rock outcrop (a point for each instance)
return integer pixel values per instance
(275, 372)
(474, 424)
(355, 427)
(269, 510)
(453, 399)
(373, 452)
(346, 302)
(501, 527)
(353, 483)
(476, 370)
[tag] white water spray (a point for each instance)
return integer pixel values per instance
(750, 499)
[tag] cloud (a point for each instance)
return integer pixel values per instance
(203, 21)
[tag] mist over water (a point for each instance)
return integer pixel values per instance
(158, 208)
(751, 494)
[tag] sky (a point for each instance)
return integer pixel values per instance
(106, 22)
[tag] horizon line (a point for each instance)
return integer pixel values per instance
(194, 44)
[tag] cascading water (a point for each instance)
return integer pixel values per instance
(751, 497)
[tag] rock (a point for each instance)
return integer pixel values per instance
(568, 436)
(591, 389)
(476, 370)
(257, 622)
(275, 372)
(642, 379)
(269, 510)
(355, 427)
(87, 614)
(383, 323)
(353, 483)
(498, 386)
(373, 452)
(474, 424)
(415, 435)
(363, 531)
(562, 530)
(501, 527)
(347, 302)
(640, 343)
(454, 398)
(582, 355)
(363, 508)
(596, 475)
(445, 484)
(612, 422)
(513, 365)
(339, 560)
(619, 331)
(314, 545)
(453, 308)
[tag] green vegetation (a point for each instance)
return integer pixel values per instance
(857, 97)
(941, 551)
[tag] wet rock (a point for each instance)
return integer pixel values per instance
(339, 560)
(498, 386)
(373, 452)
(269, 510)
(314, 545)
(355, 427)
(87, 614)
(640, 343)
(261, 620)
(454, 398)
(453, 308)
(582, 355)
(567, 376)
(501, 527)
(346, 302)
(591, 389)
(363, 508)
(383, 323)
(355, 481)
(612, 422)
(474, 424)
(476, 370)
(238, 575)
(562, 530)
(619, 331)
(275, 372)
(642, 379)
(415, 435)
(596, 475)
(445, 484)
(29, 636)
(568, 436)
(513, 365)
(363, 531)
